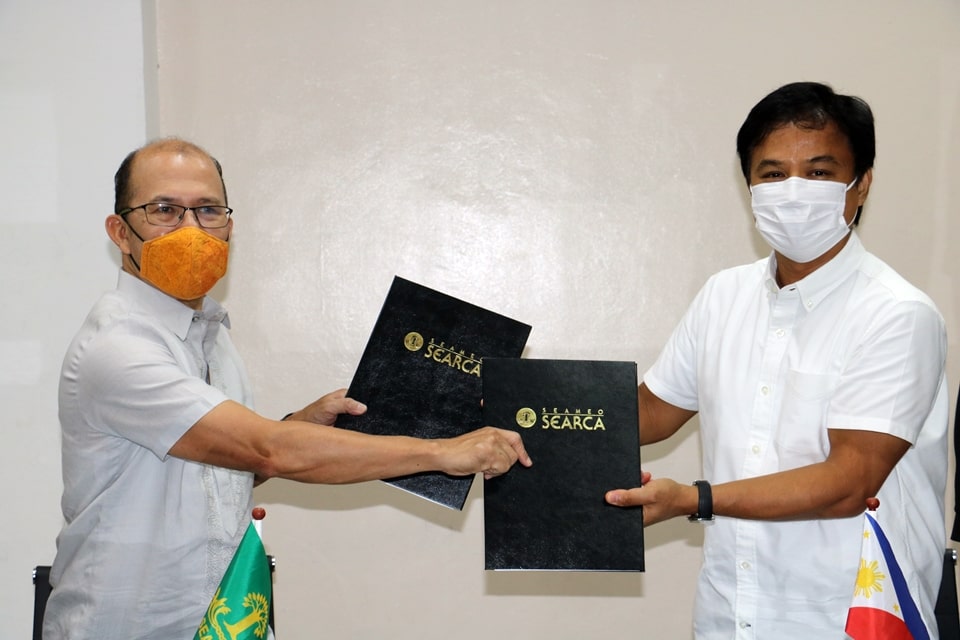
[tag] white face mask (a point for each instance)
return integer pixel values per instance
(799, 218)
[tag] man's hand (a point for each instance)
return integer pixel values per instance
(661, 499)
(488, 450)
(326, 409)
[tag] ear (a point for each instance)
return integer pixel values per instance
(118, 232)
(863, 187)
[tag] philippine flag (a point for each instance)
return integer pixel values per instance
(882, 606)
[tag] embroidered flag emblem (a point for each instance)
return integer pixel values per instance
(240, 609)
(882, 606)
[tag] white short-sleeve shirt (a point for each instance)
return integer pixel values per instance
(147, 537)
(770, 370)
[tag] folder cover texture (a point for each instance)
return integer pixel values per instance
(578, 420)
(419, 375)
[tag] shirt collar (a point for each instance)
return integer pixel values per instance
(170, 312)
(816, 286)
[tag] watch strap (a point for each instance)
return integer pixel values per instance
(704, 502)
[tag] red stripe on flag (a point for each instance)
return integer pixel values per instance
(869, 623)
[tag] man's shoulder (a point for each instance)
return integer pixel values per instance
(885, 279)
(755, 272)
(113, 308)
(112, 323)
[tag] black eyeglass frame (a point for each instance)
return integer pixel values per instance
(183, 212)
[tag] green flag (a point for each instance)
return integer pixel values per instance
(240, 608)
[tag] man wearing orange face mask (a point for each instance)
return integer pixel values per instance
(160, 446)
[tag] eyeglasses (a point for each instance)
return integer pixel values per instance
(162, 214)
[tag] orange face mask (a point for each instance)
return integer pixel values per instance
(185, 263)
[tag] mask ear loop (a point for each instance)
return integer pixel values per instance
(139, 237)
(856, 217)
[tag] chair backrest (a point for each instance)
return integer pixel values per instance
(273, 565)
(955, 534)
(947, 610)
(42, 588)
(41, 591)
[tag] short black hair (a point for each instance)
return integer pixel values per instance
(121, 180)
(810, 105)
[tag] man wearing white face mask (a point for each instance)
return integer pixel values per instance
(818, 378)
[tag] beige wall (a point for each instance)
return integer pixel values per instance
(71, 106)
(568, 163)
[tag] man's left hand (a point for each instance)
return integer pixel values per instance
(326, 409)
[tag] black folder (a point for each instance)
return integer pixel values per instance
(420, 374)
(579, 423)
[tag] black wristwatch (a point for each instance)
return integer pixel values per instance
(704, 502)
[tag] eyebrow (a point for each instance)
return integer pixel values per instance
(825, 158)
(176, 200)
(767, 162)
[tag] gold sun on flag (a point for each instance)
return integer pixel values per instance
(869, 579)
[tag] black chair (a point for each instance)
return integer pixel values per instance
(42, 588)
(273, 566)
(946, 609)
(948, 616)
(41, 591)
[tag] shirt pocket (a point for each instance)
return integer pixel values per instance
(801, 431)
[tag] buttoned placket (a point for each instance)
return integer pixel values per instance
(214, 370)
(199, 359)
(226, 490)
(784, 308)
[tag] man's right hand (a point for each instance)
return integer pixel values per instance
(488, 450)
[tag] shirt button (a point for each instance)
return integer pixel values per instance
(756, 449)
(745, 565)
(744, 625)
(196, 318)
(780, 333)
(764, 389)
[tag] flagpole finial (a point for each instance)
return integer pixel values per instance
(872, 504)
(259, 513)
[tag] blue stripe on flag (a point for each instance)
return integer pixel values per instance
(911, 615)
